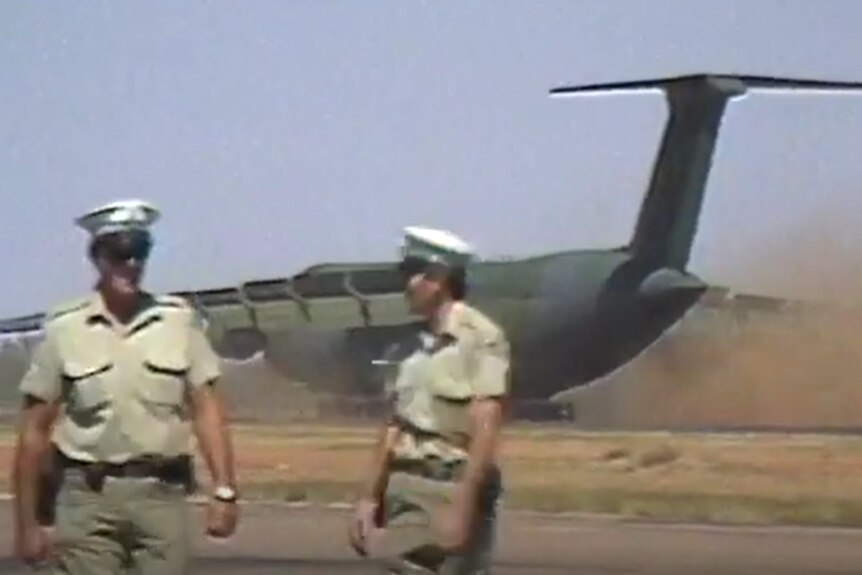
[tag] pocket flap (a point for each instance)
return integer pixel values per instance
(166, 367)
(82, 370)
(84, 357)
(164, 360)
(83, 363)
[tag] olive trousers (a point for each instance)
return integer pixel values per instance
(409, 541)
(136, 524)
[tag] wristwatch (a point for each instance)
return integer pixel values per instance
(225, 493)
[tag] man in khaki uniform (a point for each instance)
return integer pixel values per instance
(430, 502)
(112, 394)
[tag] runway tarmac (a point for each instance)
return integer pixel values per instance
(277, 539)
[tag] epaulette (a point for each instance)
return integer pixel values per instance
(172, 301)
(181, 304)
(66, 308)
(478, 321)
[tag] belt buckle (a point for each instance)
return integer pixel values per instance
(437, 469)
(133, 468)
(94, 475)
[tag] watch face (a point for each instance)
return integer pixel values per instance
(226, 493)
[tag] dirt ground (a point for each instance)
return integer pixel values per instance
(727, 478)
(737, 478)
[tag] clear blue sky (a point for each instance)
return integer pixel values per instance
(275, 135)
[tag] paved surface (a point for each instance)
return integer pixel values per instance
(278, 540)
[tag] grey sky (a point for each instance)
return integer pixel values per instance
(275, 135)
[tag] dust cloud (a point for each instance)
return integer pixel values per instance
(818, 260)
(734, 363)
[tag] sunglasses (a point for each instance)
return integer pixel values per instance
(125, 246)
(412, 266)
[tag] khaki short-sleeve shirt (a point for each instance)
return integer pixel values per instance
(434, 385)
(123, 389)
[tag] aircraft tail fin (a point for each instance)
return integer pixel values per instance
(669, 214)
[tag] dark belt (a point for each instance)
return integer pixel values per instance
(430, 468)
(406, 426)
(178, 470)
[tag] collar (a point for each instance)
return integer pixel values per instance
(97, 310)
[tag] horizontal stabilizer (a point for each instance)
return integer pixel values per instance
(737, 84)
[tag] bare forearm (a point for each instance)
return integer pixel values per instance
(32, 448)
(378, 475)
(215, 441)
(480, 457)
(482, 450)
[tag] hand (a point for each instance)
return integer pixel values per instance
(222, 518)
(32, 544)
(364, 520)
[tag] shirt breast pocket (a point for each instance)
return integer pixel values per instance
(86, 380)
(449, 373)
(164, 381)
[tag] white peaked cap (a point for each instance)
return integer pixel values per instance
(119, 216)
(436, 246)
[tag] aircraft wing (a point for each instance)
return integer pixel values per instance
(330, 296)
(21, 325)
(326, 296)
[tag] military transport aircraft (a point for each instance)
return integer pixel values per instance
(572, 316)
